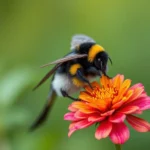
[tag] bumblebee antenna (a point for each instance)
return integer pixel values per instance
(110, 60)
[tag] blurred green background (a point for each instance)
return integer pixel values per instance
(34, 32)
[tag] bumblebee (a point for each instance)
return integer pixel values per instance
(72, 72)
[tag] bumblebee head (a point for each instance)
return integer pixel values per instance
(99, 58)
(100, 61)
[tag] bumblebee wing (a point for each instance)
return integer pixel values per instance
(58, 63)
(80, 39)
(46, 76)
(65, 59)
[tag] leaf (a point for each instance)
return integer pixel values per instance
(13, 84)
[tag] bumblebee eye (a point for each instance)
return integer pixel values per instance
(99, 60)
(98, 63)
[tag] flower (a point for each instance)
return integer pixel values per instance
(109, 105)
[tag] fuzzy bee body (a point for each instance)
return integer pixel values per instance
(86, 60)
(63, 81)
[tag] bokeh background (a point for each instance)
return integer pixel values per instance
(34, 32)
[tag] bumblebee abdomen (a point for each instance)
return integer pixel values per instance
(64, 82)
(73, 68)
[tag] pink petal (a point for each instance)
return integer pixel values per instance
(129, 109)
(117, 105)
(120, 133)
(137, 92)
(95, 118)
(70, 116)
(71, 108)
(71, 132)
(142, 103)
(144, 94)
(136, 86)
(82, 124)
(108, 113)
(103, 130)
(117, 117)
(78, 125)
(139, 112)
(71, 126)
(81, 115)
(138, 124)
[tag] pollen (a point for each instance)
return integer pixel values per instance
(106, 93)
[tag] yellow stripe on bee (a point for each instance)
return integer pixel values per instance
(94, 50)
(77, 82)
(73, 69)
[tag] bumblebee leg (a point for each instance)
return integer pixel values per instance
(107, 75)
(64, 93)
(79, 74)
(93, 71)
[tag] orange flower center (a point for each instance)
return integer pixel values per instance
(107, 96)
(104, 96)
(106, 93)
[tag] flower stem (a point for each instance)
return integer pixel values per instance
(118, 146)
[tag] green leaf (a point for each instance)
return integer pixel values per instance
(13, 83)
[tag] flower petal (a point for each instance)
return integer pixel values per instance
(120, 133)
(139, 112)
(95, 86)
(117, 81)
(108, 113)
(138, 89)
(92, 101)
(122, 90)
(95, 118)
(88, 89)
(108, 104)
(136, 86)
(87, 97)
(124, 87)
(83, 107)
(105, 81)
(71, 132)
(138, 124)
(82, 124)
(80, 115)
(70, 116)
(103, 130)
(78, 125)
(129, 109)
(142, 103)
(71, 108)
(117, 117)
(117, 105)
(71, 126)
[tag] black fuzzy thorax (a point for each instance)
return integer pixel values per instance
(83, 49)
